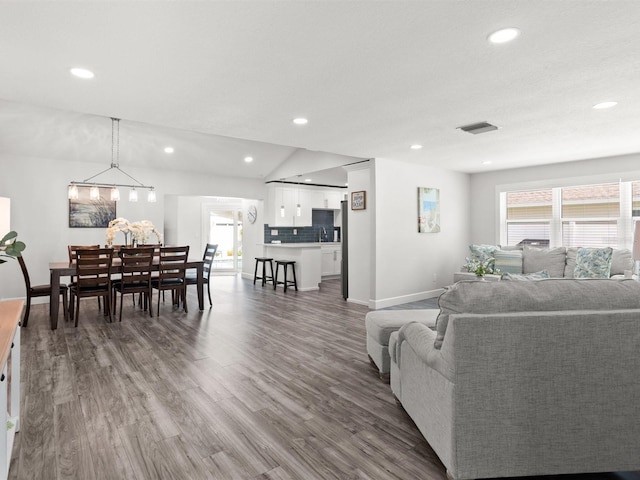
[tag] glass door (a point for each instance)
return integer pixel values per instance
(225, 230)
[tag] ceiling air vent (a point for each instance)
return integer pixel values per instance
(477, 128)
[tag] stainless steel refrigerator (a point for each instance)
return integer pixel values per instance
(344, 275)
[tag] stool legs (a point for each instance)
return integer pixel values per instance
(285, 281)
(264, 276)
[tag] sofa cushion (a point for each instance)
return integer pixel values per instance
(593, 263)
(525, 276)
(550, 259)
(552, 294)
(621, 260)
(482, 253)
(509, 261)
(570, 266)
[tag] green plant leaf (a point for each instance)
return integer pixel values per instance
(9, 236)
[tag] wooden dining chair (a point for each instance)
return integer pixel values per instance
(72, 256)
(192, 278)
(34, 291)
(135, 276)
(171, 274)
(93, 278)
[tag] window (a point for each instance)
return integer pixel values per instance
(529, 215)
(576, 216)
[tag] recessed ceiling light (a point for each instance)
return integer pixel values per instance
(487, 162)
(504, 35)
(168, 149)
(300, 121)
(307, 179)
(416, 146)
(81, 73)
(603, 105)
(248, 159)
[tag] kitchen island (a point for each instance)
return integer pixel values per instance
(308, 258)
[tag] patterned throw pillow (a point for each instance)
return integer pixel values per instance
(525, 276)
(483, 253)
(593, 263)
(509, 261)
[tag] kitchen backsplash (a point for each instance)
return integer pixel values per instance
(319, 218)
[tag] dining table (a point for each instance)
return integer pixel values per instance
(68, 269)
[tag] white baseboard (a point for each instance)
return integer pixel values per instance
(414, 297)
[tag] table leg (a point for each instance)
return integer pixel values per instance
(200, 273)
(54, 302)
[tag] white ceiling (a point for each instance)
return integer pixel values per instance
(220, 80)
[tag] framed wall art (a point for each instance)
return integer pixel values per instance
(87, 213)
(428, 210)
(358, 200)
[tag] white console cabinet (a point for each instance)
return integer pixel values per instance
(10, 313)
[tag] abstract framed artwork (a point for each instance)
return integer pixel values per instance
(87, 213)
(428, 210)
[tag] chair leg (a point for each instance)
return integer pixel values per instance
(209, 292)
(27, 308)
(77, 310)
(183, 292)
(65, 305)
(255, 272)
(107, 304)
(121, 302)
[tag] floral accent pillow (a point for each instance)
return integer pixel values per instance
(525, 276)
(593, 263)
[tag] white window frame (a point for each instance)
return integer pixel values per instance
(625, 223)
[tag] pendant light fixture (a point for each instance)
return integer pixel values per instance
(282, 201)
(94, 192)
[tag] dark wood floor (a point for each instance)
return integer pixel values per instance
(265, 385)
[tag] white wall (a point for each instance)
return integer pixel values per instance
(37, 188)
(411, 266)
(361, 238)
(485, 221)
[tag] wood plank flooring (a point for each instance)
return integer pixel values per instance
(265, 385)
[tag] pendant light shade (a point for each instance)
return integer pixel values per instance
(133, 195)
(94, 193)
(73, 192)
(151, 196)
(115, 194)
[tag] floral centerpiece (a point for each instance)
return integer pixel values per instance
(480, 267)
(10, 246)
(139, 231)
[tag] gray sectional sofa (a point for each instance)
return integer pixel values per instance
(526, 378)
(558, 262)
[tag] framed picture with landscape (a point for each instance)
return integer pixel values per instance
(87, 213)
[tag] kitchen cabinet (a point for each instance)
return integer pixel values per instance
(331, 260)
(326, 199)
(289, 197)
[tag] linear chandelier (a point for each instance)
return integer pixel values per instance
(94, 192)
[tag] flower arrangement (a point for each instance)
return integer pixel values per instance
(138, 230)
(10, 246)
(481, 268)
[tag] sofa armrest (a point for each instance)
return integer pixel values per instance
(421, 340)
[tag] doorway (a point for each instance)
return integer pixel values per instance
(225, 230)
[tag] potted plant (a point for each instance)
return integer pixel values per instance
(10, 247)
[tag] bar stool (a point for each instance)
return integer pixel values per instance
(264, 276)
(286, 282)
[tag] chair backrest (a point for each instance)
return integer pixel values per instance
(93, 267)
(209, 253)
(172, 262)
(135, 266)
(25, 273)
(73, 248)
